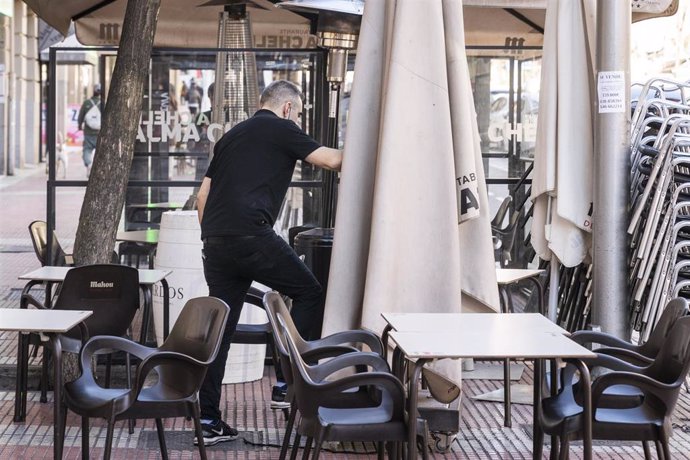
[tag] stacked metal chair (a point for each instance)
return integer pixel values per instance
(659, 229)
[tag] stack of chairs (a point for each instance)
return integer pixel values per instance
(659, 228)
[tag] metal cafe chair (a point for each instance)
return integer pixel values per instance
(179, 366)
(38, 230)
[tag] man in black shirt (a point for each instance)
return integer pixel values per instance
(238, 202)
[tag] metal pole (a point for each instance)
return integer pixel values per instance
(51, 108)
(610, 305)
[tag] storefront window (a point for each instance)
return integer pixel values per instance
(178, 128)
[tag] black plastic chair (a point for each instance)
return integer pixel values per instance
(180, 365)
(327, 347)
(637, 354)
(622, 396)
(133, 254)
(381, 423)
(254, 334)
(110, 291)
(650, 420)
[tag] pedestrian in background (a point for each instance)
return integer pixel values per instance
(90, 122)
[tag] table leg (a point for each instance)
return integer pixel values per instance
(554, 386)
(384, 340)
(21, 379)
(146, 314)
(57, 396)
(166, 308)
(507, 417)
(537, 433)
(412, 409)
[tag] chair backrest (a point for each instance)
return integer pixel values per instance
(197, 333)
(38, 230)
(198, 329)
(278, 314)
(673, 361)
(675, 309)
(110, 291)
(301, 380)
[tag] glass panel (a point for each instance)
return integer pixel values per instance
(505, 85)
(177, 128)
(506, 96)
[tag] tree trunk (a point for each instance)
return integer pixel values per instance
(105, 192)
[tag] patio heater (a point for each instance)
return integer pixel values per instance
(337, 27)
(236, 91)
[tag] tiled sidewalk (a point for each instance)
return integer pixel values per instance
(482, 435)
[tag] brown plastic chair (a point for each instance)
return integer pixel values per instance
(380, 423)
(110, 291)
(327, 347)
(660, 383)
(622, 396)
(637, 354)
(38, 230)
(179, 366)
(254, 334)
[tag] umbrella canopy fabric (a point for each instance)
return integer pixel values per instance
(562, 179)
(181, 23)
(412, 229)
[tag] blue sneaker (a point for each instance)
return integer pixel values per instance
(278, 397)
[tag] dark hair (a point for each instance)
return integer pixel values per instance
(280, 91)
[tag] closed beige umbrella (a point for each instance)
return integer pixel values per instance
(562, 180)
(412, 227)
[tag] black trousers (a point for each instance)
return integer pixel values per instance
(230, 265)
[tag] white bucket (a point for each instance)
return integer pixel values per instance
(179, 250)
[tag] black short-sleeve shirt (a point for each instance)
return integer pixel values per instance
(250, 173)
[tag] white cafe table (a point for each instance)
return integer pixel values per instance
(496, 337)
(49, 324)
(147, 279)
(453, 322)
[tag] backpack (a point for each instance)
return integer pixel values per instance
(93, 116)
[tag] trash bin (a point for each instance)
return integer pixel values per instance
(316, 246)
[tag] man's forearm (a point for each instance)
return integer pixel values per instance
(200, 204)
(201, 197)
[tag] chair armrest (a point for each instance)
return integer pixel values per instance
(111, 342)
(584, 337)
(107, 342)
(316, 354)
(626, 355)
(381, 380)
(356, 336)
(648, 385)
(160, 358)
(28, 299)
(612, 363)
(319, 372)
